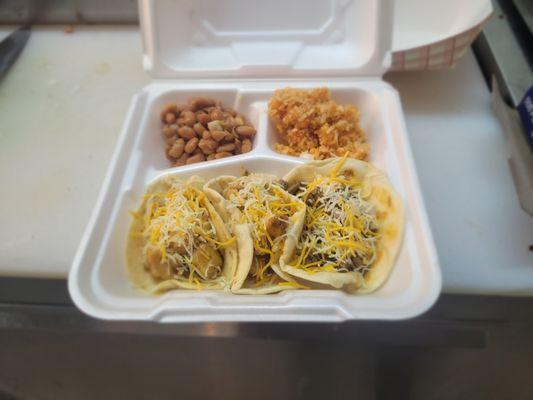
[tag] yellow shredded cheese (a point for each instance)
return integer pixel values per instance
(175, 224)
(341, 231)
(260, 198)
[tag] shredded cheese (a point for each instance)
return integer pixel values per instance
(260, 198)
(341, 231)
(175, 225)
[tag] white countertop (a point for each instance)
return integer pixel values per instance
(481, 233)
(63, 103)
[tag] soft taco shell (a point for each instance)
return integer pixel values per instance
(134, 247)
(389, 211)
(214, 190)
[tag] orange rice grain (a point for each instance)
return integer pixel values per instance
(310, 122)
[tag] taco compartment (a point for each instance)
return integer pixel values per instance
(334, 223)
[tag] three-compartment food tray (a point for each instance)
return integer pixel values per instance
(98, 282)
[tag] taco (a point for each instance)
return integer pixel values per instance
(353, 226)
(178, 240)
(267, 222)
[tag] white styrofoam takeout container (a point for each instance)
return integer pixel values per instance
(240, 52)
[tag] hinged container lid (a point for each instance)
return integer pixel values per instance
(269, 38)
